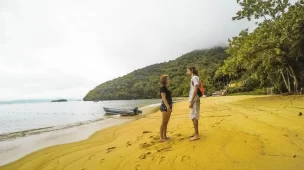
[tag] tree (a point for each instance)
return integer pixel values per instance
(276, 45)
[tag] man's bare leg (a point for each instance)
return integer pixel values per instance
(196, 133)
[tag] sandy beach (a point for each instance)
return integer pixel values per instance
(16, 149)
(239, 132)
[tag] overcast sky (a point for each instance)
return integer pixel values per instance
(64, 48)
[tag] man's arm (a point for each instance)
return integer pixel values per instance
(194, 92)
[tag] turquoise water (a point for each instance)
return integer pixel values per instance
(17, 120)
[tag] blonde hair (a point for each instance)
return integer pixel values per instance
(163, 79)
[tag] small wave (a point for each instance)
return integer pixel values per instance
(151, 105)
(14, 135)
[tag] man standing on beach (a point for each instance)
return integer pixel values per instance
(194, 101)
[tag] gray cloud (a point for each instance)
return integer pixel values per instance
(66, 47)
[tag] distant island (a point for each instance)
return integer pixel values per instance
(60, 100)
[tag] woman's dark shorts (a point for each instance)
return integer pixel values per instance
(163, 108)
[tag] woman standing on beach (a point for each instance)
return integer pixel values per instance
(165, 107)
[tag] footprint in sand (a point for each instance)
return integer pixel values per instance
(139, 137)
(137, 166)
(153, 142)
(110, 149)
(144, 156)
(178, 135)
(181, 139)
(129, 144)
(146, 145)
(147, 132)
(162, 159)
(164, 149)
(91, 157)
(184, 158)
(101, 161)
(154, 137)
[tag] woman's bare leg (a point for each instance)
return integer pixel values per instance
(163, 126)
(168, 115)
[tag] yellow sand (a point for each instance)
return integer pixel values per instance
(240, 132)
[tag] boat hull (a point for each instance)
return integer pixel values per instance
(122, 112)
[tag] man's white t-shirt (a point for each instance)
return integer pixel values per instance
(195, 80)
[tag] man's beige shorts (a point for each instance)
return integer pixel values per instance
(195, 110)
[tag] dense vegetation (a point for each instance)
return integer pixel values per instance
(144, 83)
(273, 54)
(270, 56)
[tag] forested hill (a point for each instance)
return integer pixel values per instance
(144, 83)
(272, 55)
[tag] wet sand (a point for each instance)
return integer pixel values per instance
(16, 149)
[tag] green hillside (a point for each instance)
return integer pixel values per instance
(144, 83)
(272, 55)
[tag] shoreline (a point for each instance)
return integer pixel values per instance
(16, 148)
(13, 150)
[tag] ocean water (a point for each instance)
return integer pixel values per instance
(18, 120)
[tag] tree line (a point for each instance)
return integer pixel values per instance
(144, 83)
(272, 55)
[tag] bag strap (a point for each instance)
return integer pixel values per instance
(200, 83)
